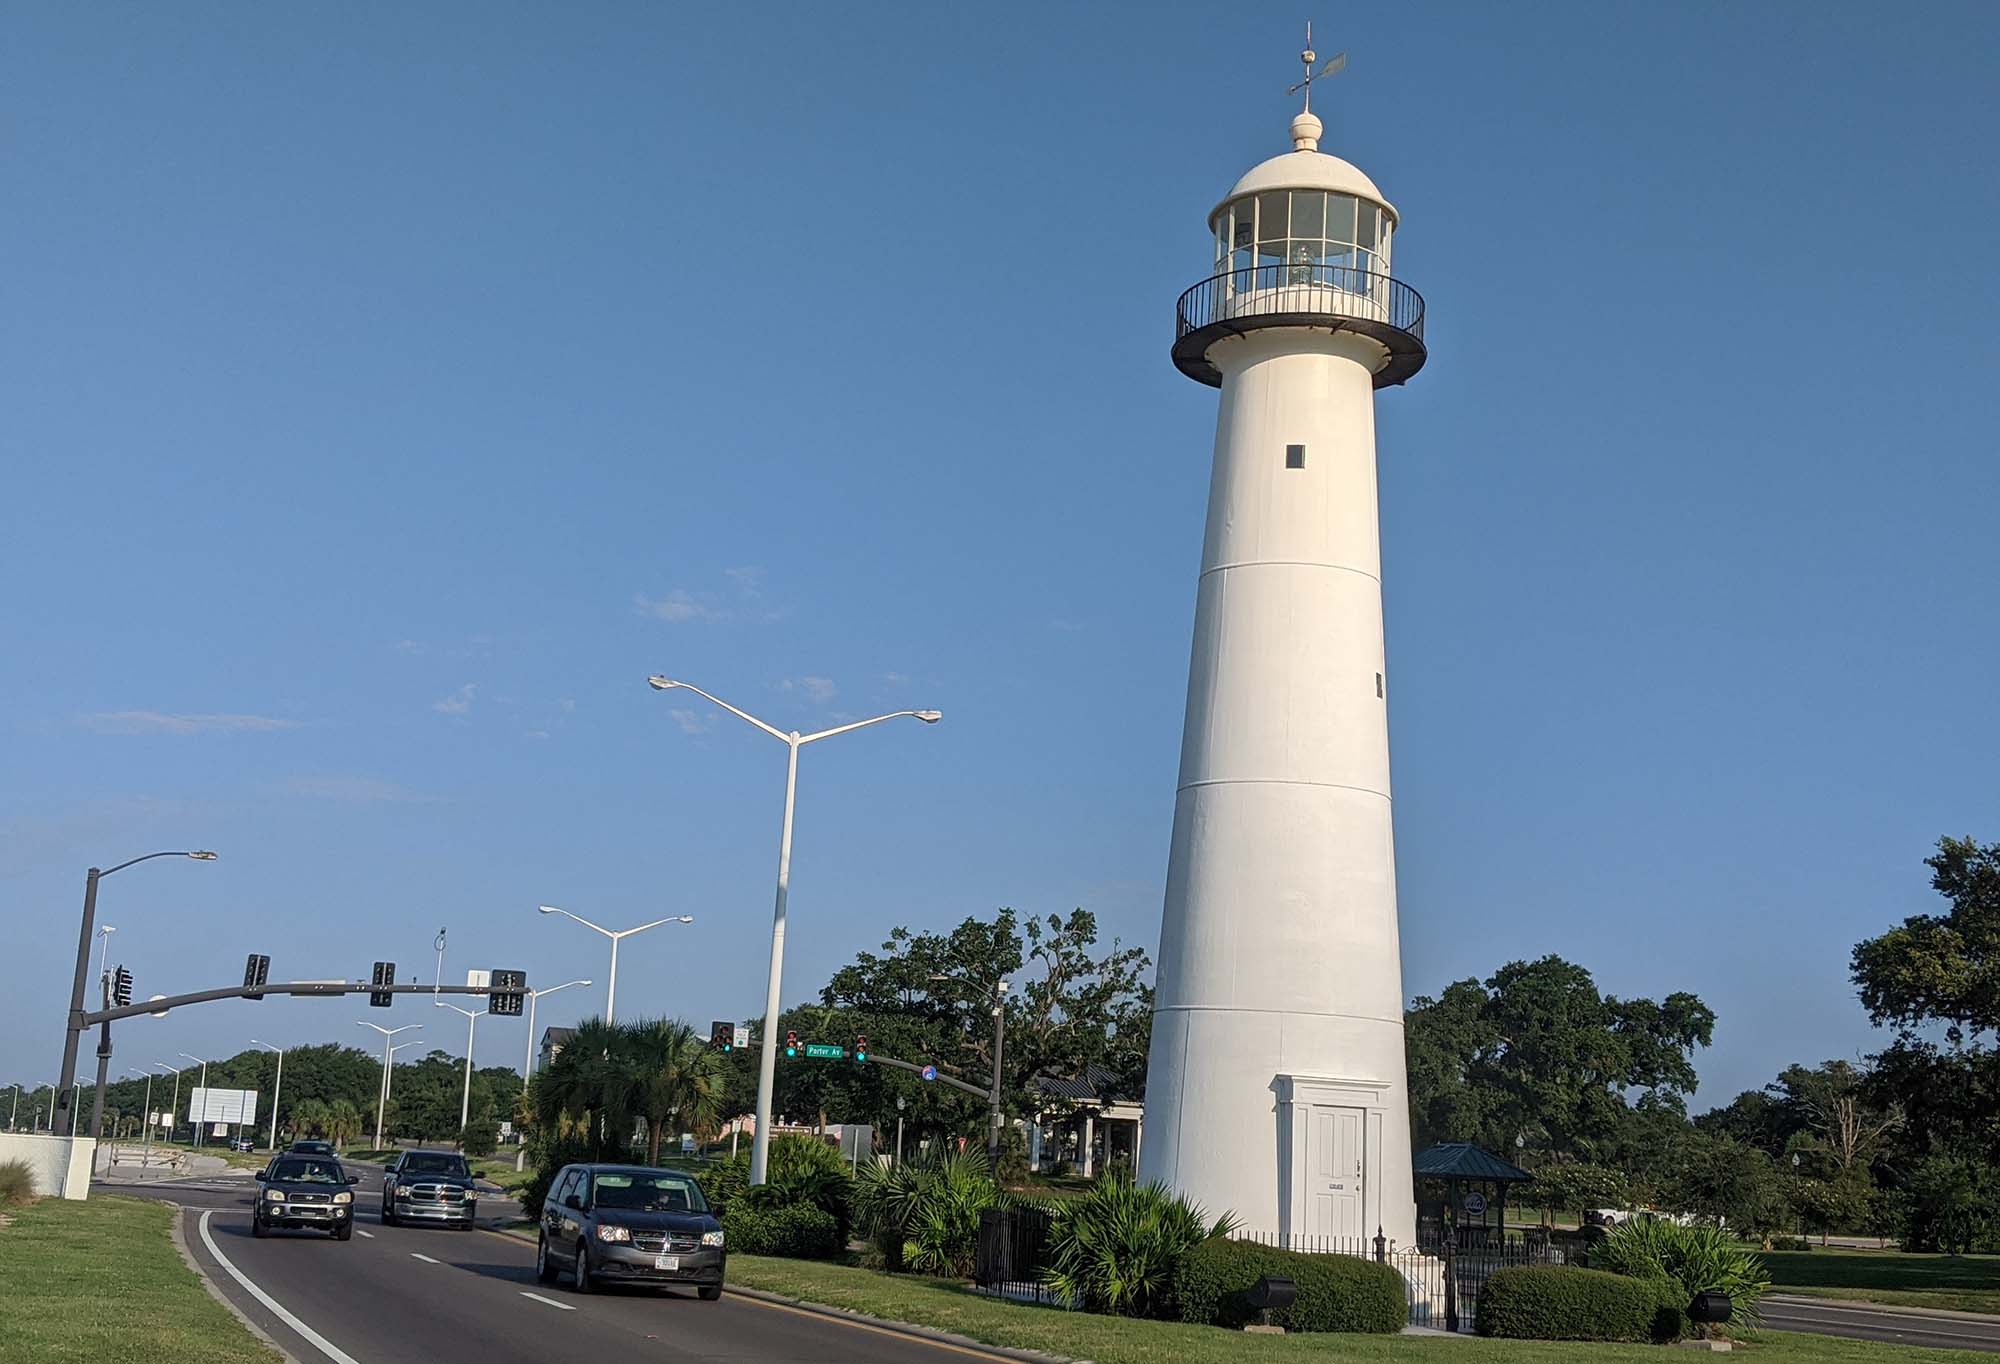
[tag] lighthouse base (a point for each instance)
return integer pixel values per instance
(1317, 1161)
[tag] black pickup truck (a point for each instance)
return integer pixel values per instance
(429, 1186)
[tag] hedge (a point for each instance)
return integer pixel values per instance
(1336, 1292)
(797, 1231)
(1546, 1302)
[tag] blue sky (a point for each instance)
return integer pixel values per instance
(390, 389)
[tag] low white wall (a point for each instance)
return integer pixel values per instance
(60, 1166)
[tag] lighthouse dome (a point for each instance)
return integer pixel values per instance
(1308, 170)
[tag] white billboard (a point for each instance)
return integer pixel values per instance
(222, 1105)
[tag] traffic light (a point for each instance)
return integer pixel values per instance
(121, 987)
(722, 1036)
(861, 1048)
(791, 1043)
(509, 993)
(256, 970)
(385, 975)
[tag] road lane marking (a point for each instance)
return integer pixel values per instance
(559, 1306)
(369, 1234)
(425, 1258)
(277, 1309)
(865, 1326)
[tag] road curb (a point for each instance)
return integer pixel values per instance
(1891, 1308)
(187, 1257)
(900, 1328)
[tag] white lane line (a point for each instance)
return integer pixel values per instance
(559, 1306)
(369, 1234)
(425, 1258)
(318, 1341)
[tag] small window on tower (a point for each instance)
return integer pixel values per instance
(1295, 456)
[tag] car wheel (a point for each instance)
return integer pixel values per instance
(544, 1271)
(710, 1292)
(344, 1232)
(388, 1218)
(257, 1227)
(581, 1276)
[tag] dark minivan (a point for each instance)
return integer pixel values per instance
(611, 1224)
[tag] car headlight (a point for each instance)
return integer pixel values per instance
(274, 1195)
(711, 1238)
(605, 1233)
(343, 1198)
(404, 1191)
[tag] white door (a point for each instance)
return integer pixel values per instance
(1334, 1164)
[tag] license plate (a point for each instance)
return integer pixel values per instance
(666, 1262)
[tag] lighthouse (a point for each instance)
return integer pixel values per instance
(1275, 1085)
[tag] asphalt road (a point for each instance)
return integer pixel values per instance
(412, 1295)
(1955, 1331)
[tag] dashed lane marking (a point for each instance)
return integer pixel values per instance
(312, 1337)
(369, 1234)
(425, 1258)
(549, 1302)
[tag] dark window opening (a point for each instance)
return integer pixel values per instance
(1378, 684)
(1295, 456)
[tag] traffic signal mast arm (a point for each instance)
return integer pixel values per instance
(876, 1058)
(296, 988)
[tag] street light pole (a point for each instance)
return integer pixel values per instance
(66, 1076)
(994, 1122)
(174, 1108)
(277, 1089)
(204, 1096)
(471, 1024)
(611, 989)
(528, 1058)
(146, 1157)
(382, 1090)
(389, 1089)
(767, 1061)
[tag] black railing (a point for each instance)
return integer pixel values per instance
(1441, 1284)
(1011, 1254)
(1300, 294)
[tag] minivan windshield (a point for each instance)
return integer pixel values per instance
(308, 1171)
(642, 1191)
(433, 1163)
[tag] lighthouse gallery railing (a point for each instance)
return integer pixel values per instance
(1299, 290)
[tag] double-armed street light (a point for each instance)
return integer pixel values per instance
(382, 1090)
(174, 1107)
(611, 989)
(73, 1025)
(277, 1088)
(389, 1086)
(528, 1059)
(767, 1064)
(197, 1126)
(472, 1017)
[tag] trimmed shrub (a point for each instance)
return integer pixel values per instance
(798, 1231)
(1336, 1292)
(1545, 1302)
(17, 1183)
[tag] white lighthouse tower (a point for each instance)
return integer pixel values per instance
(1275, 1086)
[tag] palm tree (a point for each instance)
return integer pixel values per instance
(342, 1122)
(675, 1078)
(309, 1117)
(591, 1082)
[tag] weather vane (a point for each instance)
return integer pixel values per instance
(1333, 67)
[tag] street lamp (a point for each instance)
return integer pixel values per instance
(174, 1108)
(471, 1024)
(611, 990)
(73, 1027)
(767, 1064)
(204, 1095)
(146, 1159)
(994, 1120)
(528, 1060)
(382, 1090)
(277, 1088)
(389, 1089)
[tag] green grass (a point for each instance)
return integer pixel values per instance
(1956, 1283)
(101, 1283)
(500, 1170)
(1111, 1340)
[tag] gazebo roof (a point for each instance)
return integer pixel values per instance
(1463, 1160)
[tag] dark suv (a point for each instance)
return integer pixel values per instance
(307, 1192)
(609, 1224)
(429, 1186)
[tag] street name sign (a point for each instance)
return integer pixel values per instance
(825, 1051)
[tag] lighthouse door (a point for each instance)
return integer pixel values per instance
(1335, 1161)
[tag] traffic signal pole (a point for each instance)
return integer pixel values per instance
(103, 1065)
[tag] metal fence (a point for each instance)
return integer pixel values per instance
(1011, 1254)
(1441, 1284)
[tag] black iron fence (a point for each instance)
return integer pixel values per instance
(1441, 1283)
(1012, 1252)
(1301, 289)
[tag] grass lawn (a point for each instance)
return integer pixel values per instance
(1108, 1340)
(100, 1282)
(1957, 1283)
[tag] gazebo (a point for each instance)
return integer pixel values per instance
(1474, 1195)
